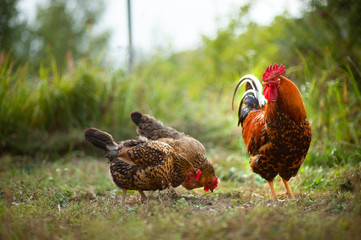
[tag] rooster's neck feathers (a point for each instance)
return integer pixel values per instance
(289, 101)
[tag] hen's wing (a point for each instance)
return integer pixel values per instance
(144, 153)
(152, 167)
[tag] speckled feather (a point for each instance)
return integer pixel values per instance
(186, 146)
(278, 147)
(142, 164)
(155, 169)
(277, 135)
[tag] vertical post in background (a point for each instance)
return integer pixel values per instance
(130, 39)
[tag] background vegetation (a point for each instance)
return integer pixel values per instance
(65, 94)
(48, 97)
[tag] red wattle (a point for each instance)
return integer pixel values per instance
(273, 93)
(266, 92)
(270, 92)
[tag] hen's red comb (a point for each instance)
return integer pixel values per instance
(198, 174)
(273, 71)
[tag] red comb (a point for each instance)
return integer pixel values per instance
(198, 174)
(273, 71)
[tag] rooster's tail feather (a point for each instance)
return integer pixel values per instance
(252, 98)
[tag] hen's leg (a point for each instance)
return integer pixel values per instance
(142, 196)
(172, 192)
(288, 189)
(273, 191)
(124, 192)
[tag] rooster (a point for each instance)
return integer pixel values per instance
(186, 146)
(142, 164)
(274, 126)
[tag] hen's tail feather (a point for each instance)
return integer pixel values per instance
(136, 117)
(152, 128)
(252, 98)
(100, 139)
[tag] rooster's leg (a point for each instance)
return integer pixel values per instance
(273, 191)
(288, 189)
(124, 192)
(142, 196)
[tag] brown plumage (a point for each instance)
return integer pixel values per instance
(142, 164)
(276, 132)
(185, 145)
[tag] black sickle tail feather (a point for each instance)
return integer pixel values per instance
(100, 139)
(250, 103)
(252, 99)
(152, 128)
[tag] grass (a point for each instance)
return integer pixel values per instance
(73, 198)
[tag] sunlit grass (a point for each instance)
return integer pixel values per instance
(75, 199)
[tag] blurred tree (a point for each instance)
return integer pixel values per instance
(12, 29)
(8, 15)
(329, 29)
(63, 30)
(343, 18)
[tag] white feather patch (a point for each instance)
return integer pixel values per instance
(256, 88)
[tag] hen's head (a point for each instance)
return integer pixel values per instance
(272, 80)
(211, 184)
(207, 179)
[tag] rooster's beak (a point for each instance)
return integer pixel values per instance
(275, 80)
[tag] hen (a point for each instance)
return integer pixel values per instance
(185, 145)
(276, 131)
(142, 164)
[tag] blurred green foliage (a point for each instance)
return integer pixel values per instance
(45, 112)
(62, 30)
(14, 34)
